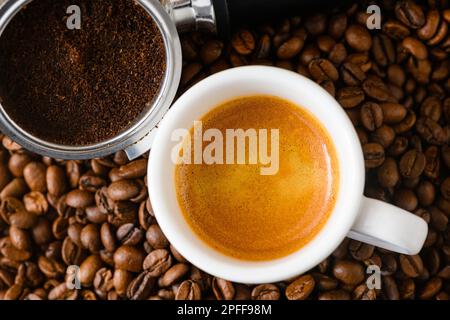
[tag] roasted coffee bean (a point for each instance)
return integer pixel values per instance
(265, 292)
(188, 290)
(316, 23)
(388, 173)
(431, 131)
(358, 38)
(412, 164)
(301, 288)
(390, 288)
(412, 266)
(393, 112)
(157, 262)
(406, 199)
(156, 238)
(79, 199)
(71, 253)
(373, 155)
(290, 48)
(384, 135)
(128, 258)
(173, 275)
(362, 292)
(360, 251)
(323, 69)
(431, 288)
(35, 202)
(350, 97)
(123, 190)
(349, 272)
(211, 51)
(223, 289)
(409, 13)
(439, 220)
(141, 287)
(133, 170)
(426, 193)
(121, 281)
(371, 115)
(34, 174)
(243, 42)
(90, 238)
(376, 89)
(383, 50)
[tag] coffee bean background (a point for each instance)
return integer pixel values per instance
(394, 85)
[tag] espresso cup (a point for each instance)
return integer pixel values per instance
(354, 216)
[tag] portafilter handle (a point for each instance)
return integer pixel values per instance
(218, 16)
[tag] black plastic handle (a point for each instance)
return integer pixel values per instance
(232, 12)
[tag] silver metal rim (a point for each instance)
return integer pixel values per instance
(132, 135)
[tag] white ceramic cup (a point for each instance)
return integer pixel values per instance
(354, 215)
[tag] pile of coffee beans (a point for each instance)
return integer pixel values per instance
(394, 85)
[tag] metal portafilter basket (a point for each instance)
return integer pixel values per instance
(171, 16)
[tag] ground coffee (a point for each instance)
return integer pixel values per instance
(80, 86)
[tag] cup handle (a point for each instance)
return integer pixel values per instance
(389, 227)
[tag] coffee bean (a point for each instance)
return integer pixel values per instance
(90, 238)
(36, 203)
(133, 170)
(439, 220)
(323, 69)
(352, 74)
(410, 14)
(360, 251)
(34, 174)
(243, 42)
(123, 190)
(128, 234)
(358, 37)
(189, 290)
(211, 51)
(156, 238)
(350, 97)
(412, 266)
(337, 25)
(373, 155)
(128, 258)
(141, 287)
(223, 289)
(266, 292)
(79, 199)
(395, 29)
(412, 164)
(383, 135)
(301, 288)
(383, 50)
(390, 288)
(376, 89)
(388, 174)
(316, 23)
(362, 292)
(426, 193)
(431, 288)
(349, 272)
(173, 275)
(290, 48)
(393, 112)
(432, 162)
(406, 199)
(157, 262)
(415, 47)
(121, 281)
